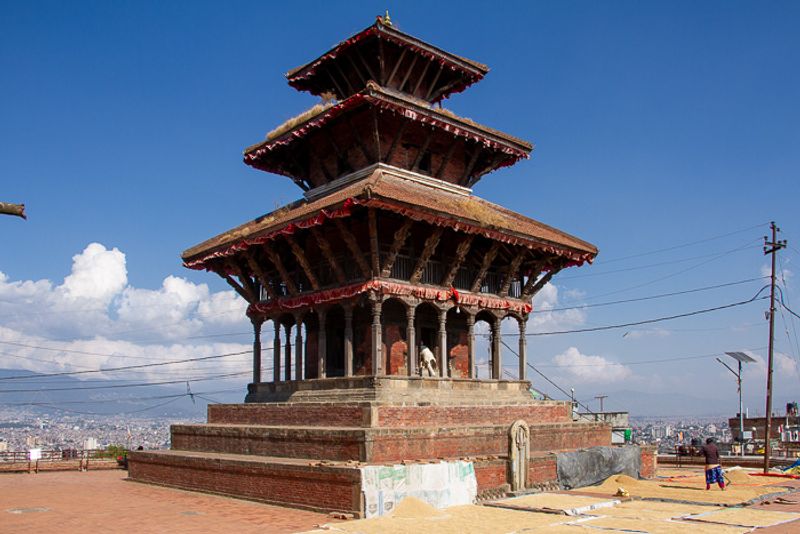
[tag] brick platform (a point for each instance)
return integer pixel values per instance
(306, 452)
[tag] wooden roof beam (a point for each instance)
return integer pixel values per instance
(472, 161)
(325, 247)
(408, 73)
(533, 286)
(488, 258)
(400, 237)
(278, 263)
(434, 82)
(352, 62)
(430, 247)
(461, 252)
(259, 272)
(300, 256)
(352, 244)
(421, 77)
(363, 61)
(512, 270)
(373, 241)
(396, 66)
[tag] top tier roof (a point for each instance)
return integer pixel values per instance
(393, 59)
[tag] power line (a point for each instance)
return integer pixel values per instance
(650, 265)
(661, 279)
(651, 297)
(128, 367)
(642, 362)
(648, 321)
(125, 386)
(684, 245)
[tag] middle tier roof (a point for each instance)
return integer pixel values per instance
(380, 125)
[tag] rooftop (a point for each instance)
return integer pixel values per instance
(397, 190)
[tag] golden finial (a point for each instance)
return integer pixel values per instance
(386, 19)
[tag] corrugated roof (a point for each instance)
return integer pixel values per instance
(391, 191)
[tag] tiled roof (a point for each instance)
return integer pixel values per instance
(396, 190)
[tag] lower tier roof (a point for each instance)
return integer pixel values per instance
(411, 195)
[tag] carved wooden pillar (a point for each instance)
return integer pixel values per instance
(444, 366)
(276, 352)
(497, 367)
(377, 360)
(348, 340)
(298, 348)
(523, 349)
(471, 344)
(257, 322)
(287, 360)
(411, 342)
(322, 343)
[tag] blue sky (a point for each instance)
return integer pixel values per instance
(656, 124)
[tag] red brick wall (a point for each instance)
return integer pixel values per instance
(562, 437)
(542, 469)
(315, 488)
(306, 414)
(649, 461)
(490, 474)
(417, 416)
(280, 442)
(355, 415)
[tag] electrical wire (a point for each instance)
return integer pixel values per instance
(650, 265)
(126, 386)
(649, 321)
(651, 297)
(684, 245)
(672, 275)
(128, 367)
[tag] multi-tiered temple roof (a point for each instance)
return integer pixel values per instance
(387, 215)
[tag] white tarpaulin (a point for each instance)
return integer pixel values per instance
(441, 485)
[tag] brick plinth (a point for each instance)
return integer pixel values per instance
(378, 415)
(271, 451)
(272, 480)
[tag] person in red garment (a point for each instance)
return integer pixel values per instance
(713, 467)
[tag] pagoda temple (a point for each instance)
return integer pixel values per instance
(374, 282)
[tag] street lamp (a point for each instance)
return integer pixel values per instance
(741, 358)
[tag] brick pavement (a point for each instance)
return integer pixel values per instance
(103, 501)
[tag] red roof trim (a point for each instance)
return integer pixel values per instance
(386, 287)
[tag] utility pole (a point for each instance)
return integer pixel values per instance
(772, 248)
(600, 398)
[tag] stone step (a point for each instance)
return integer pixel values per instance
(287, 482)
(380, 444)
(389, 415)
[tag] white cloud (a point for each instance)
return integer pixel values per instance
(95, 310)
(542, 319)
(97, 274)
(580, 368)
